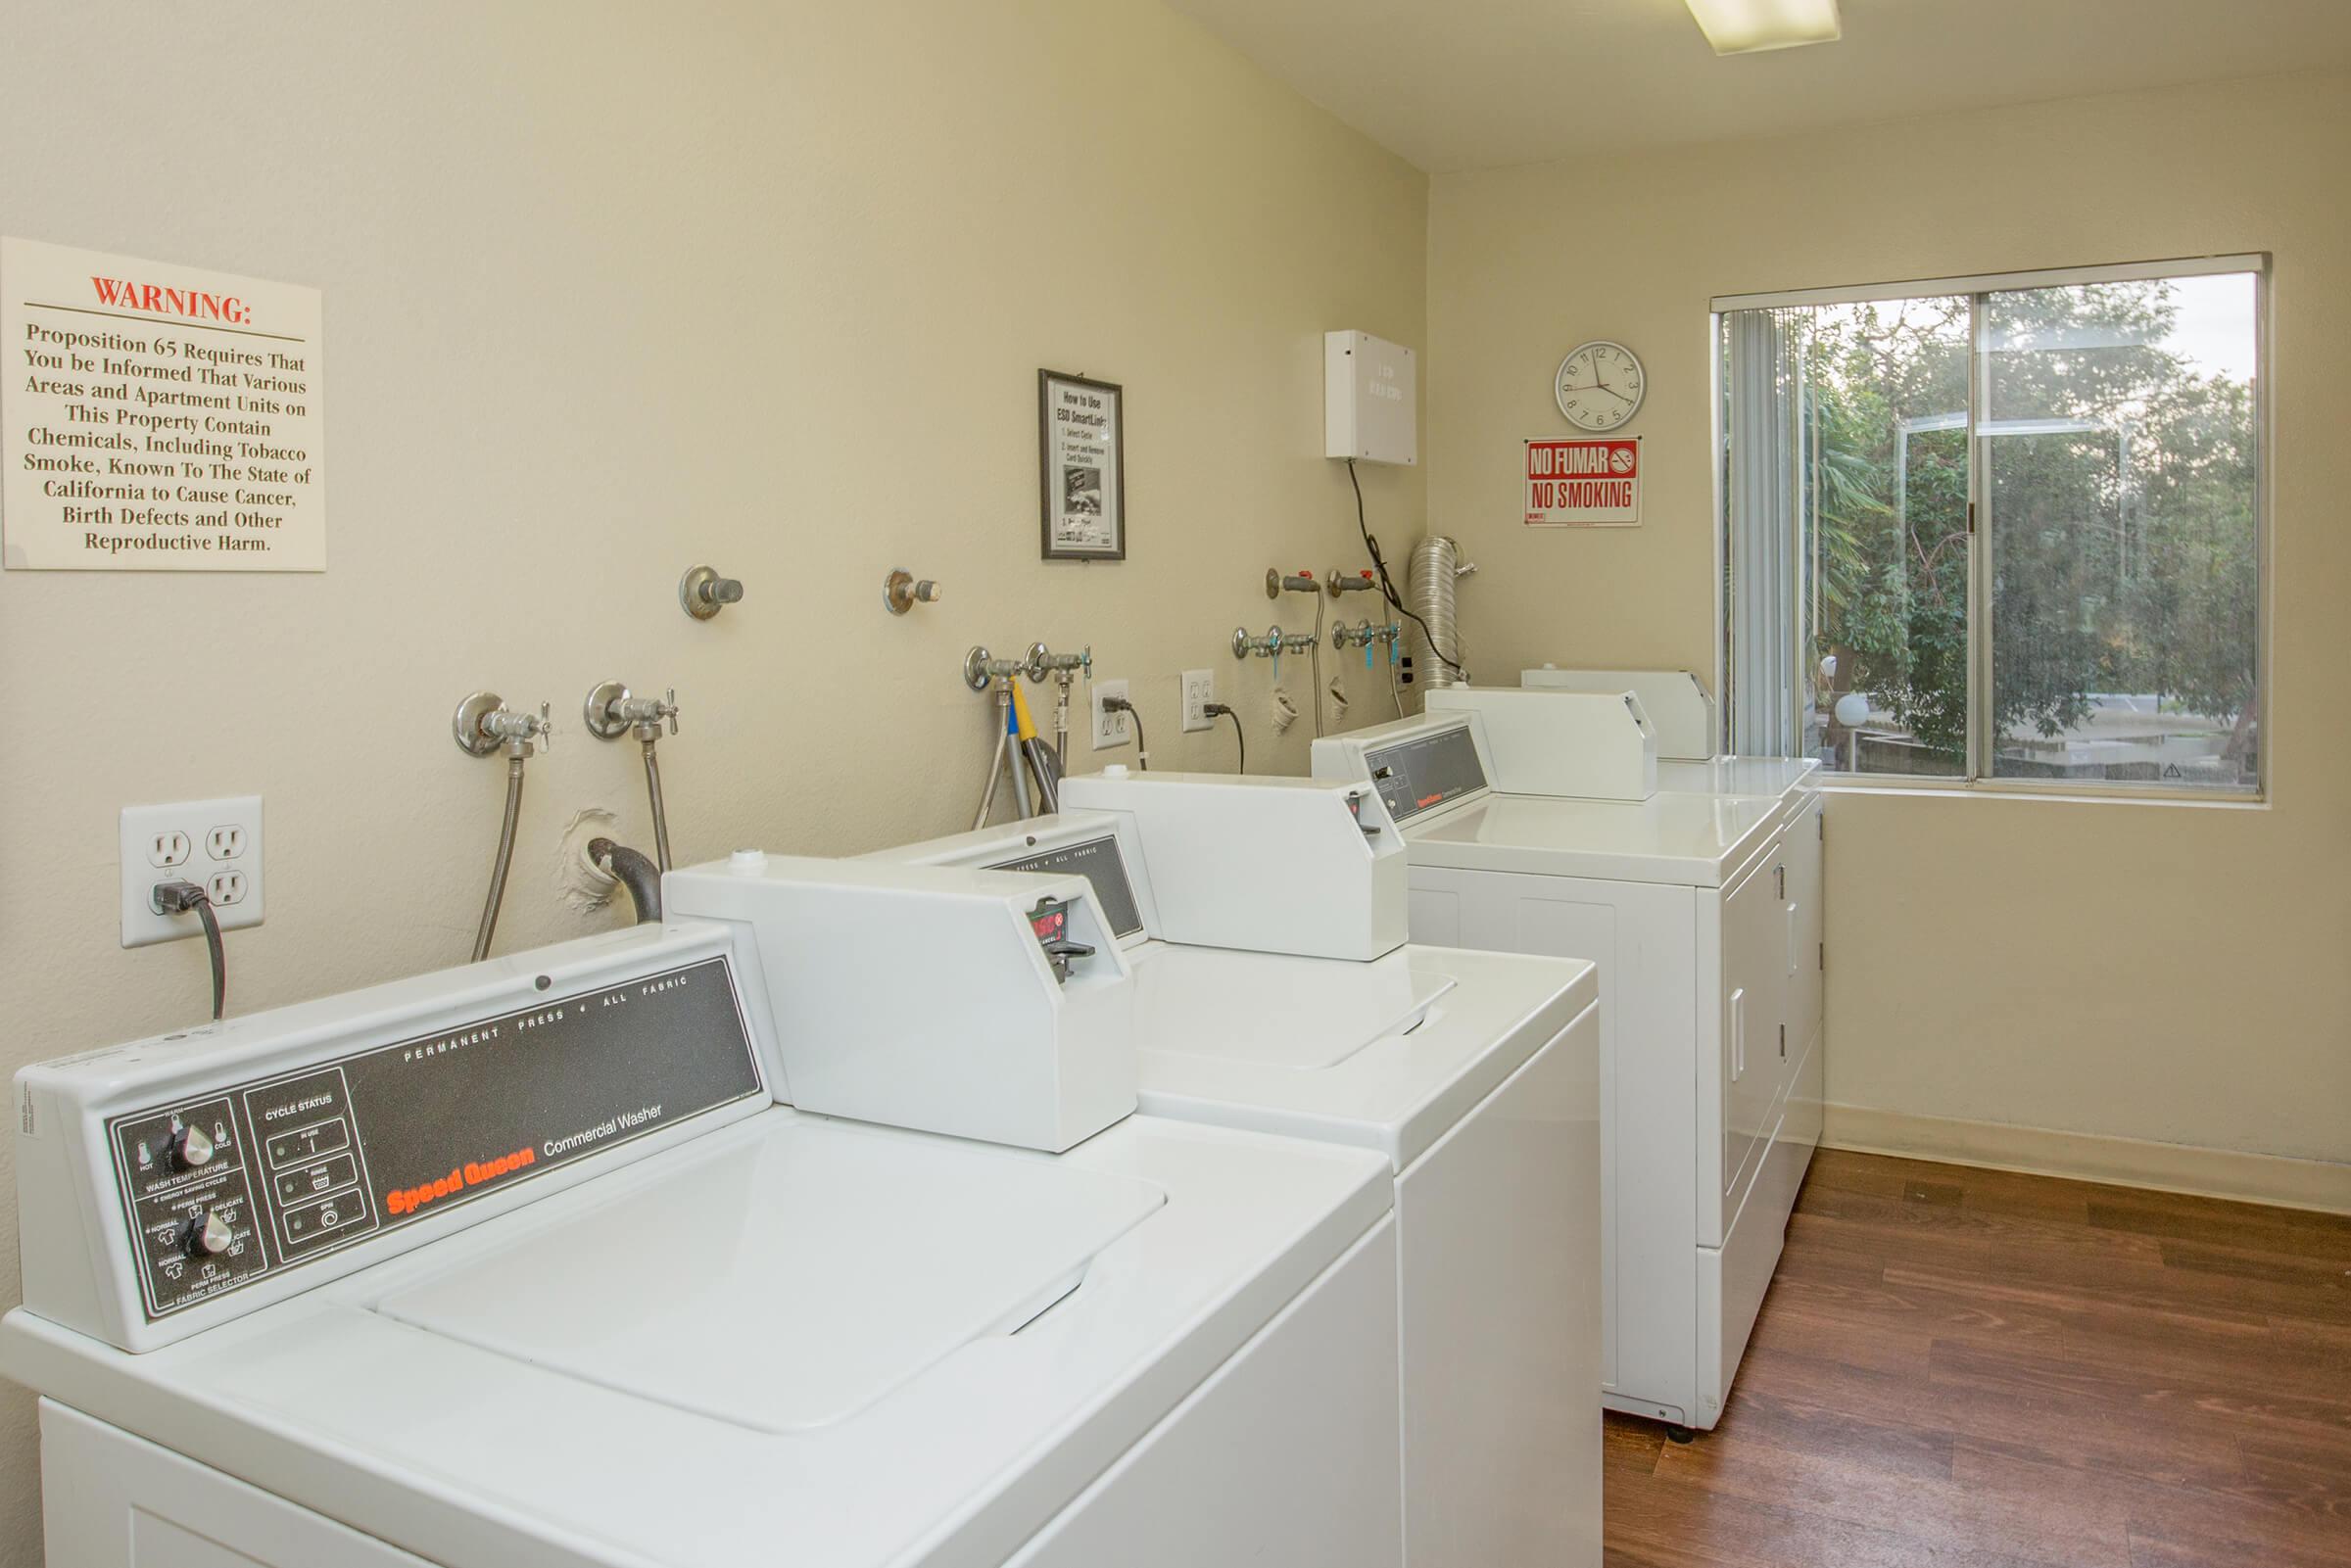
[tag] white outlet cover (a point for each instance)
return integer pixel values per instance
(1111, 728)
(1199, 690)
(206, 828)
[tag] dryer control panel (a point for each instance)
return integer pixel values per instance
(276, 1143)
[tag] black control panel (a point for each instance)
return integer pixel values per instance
(1098, 861)
(1422, 773)
(228, 1187)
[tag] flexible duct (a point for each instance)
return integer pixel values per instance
(1436, 566)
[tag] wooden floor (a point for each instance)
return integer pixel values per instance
(1975, 1369)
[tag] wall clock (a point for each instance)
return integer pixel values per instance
(1600, 385)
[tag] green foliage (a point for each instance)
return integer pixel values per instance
(2121, 487)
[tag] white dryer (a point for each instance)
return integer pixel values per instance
(1701, 909)
(520, 1265)
(1474, 1076)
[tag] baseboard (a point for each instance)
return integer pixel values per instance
(2320, 1184)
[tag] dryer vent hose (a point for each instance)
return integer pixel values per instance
(1436, 566)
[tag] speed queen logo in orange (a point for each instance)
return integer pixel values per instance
(1583, 484)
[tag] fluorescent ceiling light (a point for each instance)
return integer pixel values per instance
(1744, 27)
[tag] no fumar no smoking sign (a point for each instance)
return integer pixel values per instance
(1584, 484)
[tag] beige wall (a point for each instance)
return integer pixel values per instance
(2147, 972)
(762, 285)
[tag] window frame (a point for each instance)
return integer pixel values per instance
(1978, 776)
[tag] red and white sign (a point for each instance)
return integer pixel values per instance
(1584, 484)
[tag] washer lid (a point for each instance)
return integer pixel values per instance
(1739, 776)
(789, 1283)
(1694, 840)
(1301, 1014)
(1387, 1055)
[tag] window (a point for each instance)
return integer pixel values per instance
(2000, 528)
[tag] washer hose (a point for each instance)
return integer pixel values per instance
(506, 856)
(653, 787)
(639, 875)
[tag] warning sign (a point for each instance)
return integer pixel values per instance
(158, 418)
(1584, 484)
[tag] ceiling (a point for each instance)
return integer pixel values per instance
(1458, 84)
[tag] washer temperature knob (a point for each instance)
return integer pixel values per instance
(209, 1235)
(190, 1147)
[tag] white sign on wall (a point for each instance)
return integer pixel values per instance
(157, 417)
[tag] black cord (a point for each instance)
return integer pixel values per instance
(1142, 742)
(1238, 740)
(177, 898)
(1387, 584)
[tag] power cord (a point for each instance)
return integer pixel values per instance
(1212, 709)
(1387, 584)
(1142, 742)
(177, 897)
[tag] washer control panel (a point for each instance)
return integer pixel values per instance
(1427, 770)
(1098, 861)
(190, 1196)
(232, 1184)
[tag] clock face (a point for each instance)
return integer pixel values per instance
(1600, 385)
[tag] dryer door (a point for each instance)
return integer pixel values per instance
(1754, 990)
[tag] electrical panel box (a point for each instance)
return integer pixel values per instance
(1371, 400)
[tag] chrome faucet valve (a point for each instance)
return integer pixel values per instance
(980, 668)
(1043, 663)
(483, 723)
(1267, 646)
(702, 592)
(902, 590)
(611, 711)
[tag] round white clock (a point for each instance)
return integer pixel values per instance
(1600, 385)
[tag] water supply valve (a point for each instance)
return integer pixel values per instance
(483, 724)
(610, 712)
(702, 592)
(902, 590)
(1301, 581)
(1044, 664)
(1362, 582)
(1343, 637)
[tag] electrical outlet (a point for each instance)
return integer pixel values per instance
(159, 844)
(1111, 727)
(1199, 690)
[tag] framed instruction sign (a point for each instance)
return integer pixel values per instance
(1584, 484)
(1081, 440)
(157, 417)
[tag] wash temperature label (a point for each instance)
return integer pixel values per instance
(1584, 484)
(157, 417)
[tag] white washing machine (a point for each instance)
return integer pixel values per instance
(522, 1266)
(1475, 1076)
(1701, 909)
